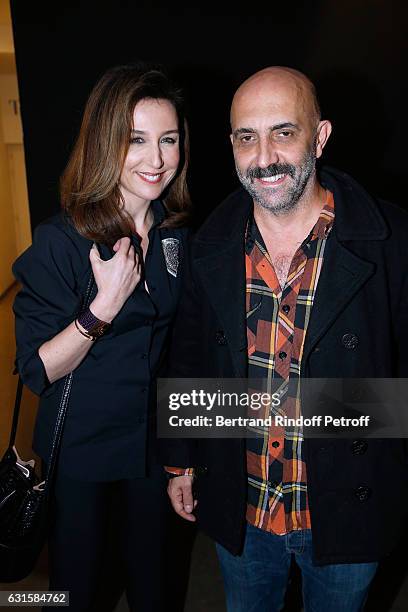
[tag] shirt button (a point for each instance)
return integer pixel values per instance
(143, 389)
(282, 355)
(148, 322)
(143, 356)
(286, 308)
(275, 444)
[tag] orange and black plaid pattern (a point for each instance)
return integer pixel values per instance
(277, 320)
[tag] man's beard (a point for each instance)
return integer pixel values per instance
(291, 195)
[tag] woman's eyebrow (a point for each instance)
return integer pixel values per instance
(166, 132)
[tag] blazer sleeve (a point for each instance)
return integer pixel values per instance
(48, 300)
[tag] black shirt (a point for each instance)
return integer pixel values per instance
(107, 419)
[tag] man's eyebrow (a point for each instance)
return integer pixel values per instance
(286, 124)
(175, 131)
(243, 130)
(278, 126)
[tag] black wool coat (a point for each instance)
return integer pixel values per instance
(358, 494)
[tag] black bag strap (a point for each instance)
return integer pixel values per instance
(59, 425)
(16, 412)
(62, 409)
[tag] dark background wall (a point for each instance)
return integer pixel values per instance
(353, 50)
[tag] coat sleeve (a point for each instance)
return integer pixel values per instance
(48, 301)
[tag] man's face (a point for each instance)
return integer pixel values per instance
(274, 138)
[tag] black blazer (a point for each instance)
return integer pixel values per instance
(358, 499)
(110, 408)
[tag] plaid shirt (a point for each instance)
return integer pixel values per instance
(277, 321)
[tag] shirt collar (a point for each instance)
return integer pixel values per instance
(324, 224)
(321, 229)
(159, 212)
(252, 233)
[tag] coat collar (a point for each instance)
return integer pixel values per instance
(358, 216)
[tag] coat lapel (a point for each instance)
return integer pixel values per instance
(219, 258)
(357, 218)
(343, 274)
(223, 277)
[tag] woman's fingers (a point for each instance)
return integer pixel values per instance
(94, 255)
(117, 277)
(125, 246)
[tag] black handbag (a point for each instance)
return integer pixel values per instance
(24, 501)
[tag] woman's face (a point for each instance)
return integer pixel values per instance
(153, 155)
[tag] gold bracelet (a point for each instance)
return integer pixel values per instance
(83, 333)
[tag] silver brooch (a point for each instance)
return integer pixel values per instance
(171, 254)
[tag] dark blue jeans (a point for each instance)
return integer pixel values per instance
(256, 581)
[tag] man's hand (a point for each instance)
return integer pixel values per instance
(180, 491)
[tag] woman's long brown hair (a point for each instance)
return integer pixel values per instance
(90, 193)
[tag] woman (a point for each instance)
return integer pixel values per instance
(131, 151)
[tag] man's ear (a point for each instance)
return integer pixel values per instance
(324, 130)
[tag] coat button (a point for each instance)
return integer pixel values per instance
(286, 308)
(282, 355)
(220, 337)
(362, 493)
(349, 341)
(359, 447)
(275, 444)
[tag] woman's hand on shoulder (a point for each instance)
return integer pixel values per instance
(115, 278)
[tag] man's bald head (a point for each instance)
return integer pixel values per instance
(274, 81)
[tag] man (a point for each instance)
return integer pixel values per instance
(299, 274)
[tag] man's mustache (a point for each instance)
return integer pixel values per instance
(271, 170)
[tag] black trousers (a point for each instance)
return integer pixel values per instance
(109, 536)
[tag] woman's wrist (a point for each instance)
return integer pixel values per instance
(94, 327)
(103, 309)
